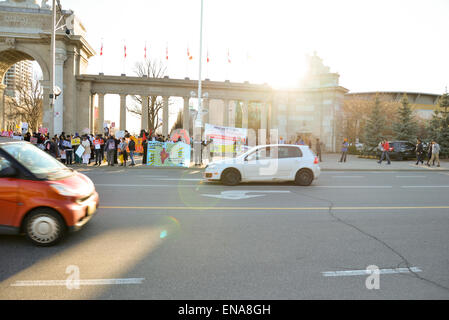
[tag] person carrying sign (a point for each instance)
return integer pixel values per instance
(98, 142)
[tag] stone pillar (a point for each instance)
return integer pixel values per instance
(122, 112)
(186, 115)
(206, 150)
(263, 123)
(165, 119)
(84, 107)
(100, 119)
(245, 114)
(232, 111)
(226, 113)
(58, 113)
(92, 114)
(144, 117)
(2, 108)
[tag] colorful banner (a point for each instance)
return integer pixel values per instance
(225, 139)
(168, 154)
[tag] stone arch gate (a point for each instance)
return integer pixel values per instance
(25, 29)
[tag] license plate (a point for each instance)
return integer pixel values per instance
(91, 208)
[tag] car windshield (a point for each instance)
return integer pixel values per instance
(41, 164)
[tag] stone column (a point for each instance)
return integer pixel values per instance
(226, 113)
(206, 150)
(58, 113)
(122, 112)
(232, 111)
(263, 123)
(92, 114)
(2, 108)
(245, 114)
(100, 120)
(186, 115)
(165, 119)
(144, 117)
(84, 106)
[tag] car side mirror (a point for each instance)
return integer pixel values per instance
(8, 172)
(246, 158)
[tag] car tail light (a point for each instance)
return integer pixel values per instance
(315, 161)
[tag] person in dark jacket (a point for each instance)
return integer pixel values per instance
(144, 137)
(419, 152)
(318, 149)
(429, 153)
(132, 149)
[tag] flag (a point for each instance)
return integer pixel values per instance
(125, 51)
(189, 56)
(145, 55)
(207, 59)
(229, 57)
(166, 53)
(101, 50)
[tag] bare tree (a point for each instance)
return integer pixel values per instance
(27, 104)
(151, 69)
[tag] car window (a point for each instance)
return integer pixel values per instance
(4, 164)
(40, 163)
(289, 152)
(262, 154)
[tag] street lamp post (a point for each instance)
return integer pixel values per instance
(198, 120)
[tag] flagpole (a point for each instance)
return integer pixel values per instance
(200, 96)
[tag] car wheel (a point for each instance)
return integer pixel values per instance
(230, 177)
(304, 177)
(44, 227)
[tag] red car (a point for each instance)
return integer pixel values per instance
(40, 197)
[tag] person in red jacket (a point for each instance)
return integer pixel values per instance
(385, 152)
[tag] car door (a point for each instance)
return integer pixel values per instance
(258, 165)
(9, 194)
(290, 159)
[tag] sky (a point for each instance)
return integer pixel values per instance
(381, 45)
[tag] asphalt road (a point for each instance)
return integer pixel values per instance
(163, 234)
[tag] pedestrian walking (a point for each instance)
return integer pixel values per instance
(110, 150)
(344, 150)
(144, 136)
(419, 152)
(435, 154)
(429, 152)
(385, 148)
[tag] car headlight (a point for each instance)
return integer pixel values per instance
(63, 191)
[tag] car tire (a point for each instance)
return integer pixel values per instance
(231, 177)
(44, 227)
(304, 177)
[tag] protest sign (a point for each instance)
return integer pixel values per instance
(168, 154)
(79, 152)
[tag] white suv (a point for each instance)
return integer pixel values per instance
(275, 162)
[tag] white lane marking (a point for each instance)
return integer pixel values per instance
(348, 176)
(354, 187)
(348, 273)
(411, 177)
(410, 187)
(180, 179)
(241, 194)
(145, 185)
(89, 282)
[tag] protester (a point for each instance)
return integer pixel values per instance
(429, 152)
(67, 144)
(123, 153)
(144, 136)
(110, 148)
(87, 151)
(344, 150)
(98, 142)
(132, 149)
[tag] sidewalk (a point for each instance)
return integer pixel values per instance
(354, 163)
